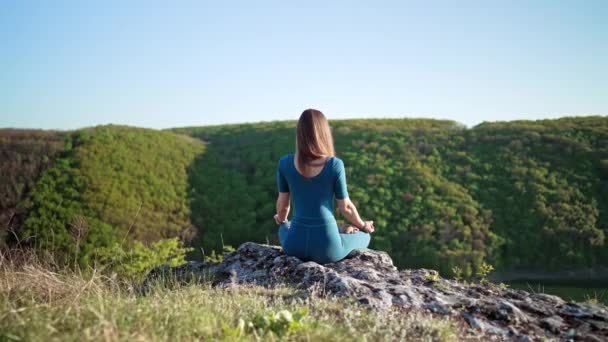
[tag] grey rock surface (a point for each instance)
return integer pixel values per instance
(370, 278)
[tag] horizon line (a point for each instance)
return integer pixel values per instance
(567, 116)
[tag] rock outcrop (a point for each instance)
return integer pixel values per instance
(371, 278)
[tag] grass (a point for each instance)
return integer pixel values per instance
(39, 302)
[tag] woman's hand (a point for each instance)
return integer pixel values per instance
(276, 219)
(368, 226)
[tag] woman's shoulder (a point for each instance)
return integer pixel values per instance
(285, 157)
(337, 163)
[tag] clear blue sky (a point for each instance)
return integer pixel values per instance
(178, 63)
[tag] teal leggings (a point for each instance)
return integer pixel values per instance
(319, 242)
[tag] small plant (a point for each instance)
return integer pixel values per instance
(432, 276)
(483, 272)
(280, 323)
(457, 271)
(591, 300)
(216, 257)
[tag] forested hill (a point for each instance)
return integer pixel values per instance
(74, 192)
(521, 195)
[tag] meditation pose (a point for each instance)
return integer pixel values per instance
(313, 175)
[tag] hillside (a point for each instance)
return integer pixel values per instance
(521, 195)
(25, 154)
(107, 184)
(527, 195)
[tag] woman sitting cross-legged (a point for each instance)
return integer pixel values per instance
(313, 175)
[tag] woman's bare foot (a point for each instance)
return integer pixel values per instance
(348, 229)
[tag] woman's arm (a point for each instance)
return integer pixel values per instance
(349, 211)
(346, 206)
(282, 206)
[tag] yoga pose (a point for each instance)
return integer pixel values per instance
(313, 175)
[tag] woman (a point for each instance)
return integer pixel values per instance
(314, 175)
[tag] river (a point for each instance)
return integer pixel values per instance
(569, 291)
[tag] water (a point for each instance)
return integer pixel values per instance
(578, 292)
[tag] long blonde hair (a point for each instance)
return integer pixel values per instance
(313, 138)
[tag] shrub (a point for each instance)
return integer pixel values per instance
(134, 263)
